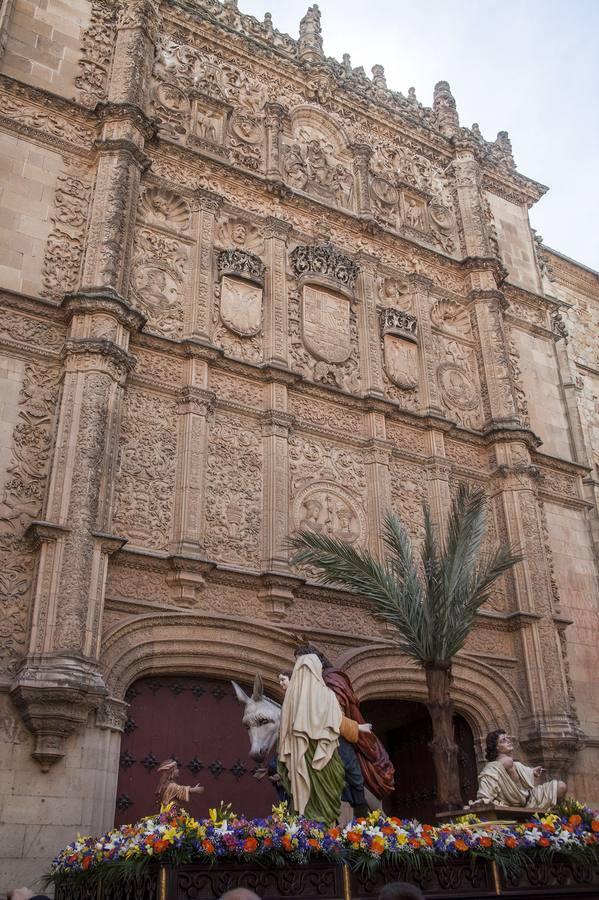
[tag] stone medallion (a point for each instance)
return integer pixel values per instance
(329, 509)
(326, 324)
(241, 306)
(457, 386)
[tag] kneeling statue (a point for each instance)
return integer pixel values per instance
(507, 782)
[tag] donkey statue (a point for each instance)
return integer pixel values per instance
(262, 718)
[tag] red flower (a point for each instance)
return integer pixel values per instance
(378, 844)
(207, 846)
(87, 861)
(595, 825)
(312, 842)
(575, 821)
(159, 846)
(511, 842)
(486, 842)
(354, 837)
(543, 842)
(250, 845)
(388, 829)
(461, 845)
(286, 842)
(333, 833)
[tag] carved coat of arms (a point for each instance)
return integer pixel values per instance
(401, 361)
(241, 306)
(326, 324)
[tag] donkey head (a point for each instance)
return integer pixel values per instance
(261, 717)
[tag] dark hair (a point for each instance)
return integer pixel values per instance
(491, 748)
(286, 672)
(401, 890)
(305, 649)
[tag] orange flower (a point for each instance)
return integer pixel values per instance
(312, 842)
(595, 825)
(208, 846)
(250, 844)
(427, 828)
(428, 840)
(159, 846)
(414, 842)
(87, 861)
(388, 829)
(461, 845)
(267, 842)
(333, 833)
(511, 842)
(354, 837)
(486, 842)
(575, 821)
(286, 842)
(378, 844)
(549, 828)
(543, 842)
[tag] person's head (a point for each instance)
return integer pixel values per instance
(306, 649)
(497, 742)
(401, 890)
(240, 893)
(284, 679)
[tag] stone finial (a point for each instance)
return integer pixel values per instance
(268, 22)
(445, 109)
(505, 145)
(310, 37)
(347, 64)
(378, 76)
(412, 98)
(476, 131)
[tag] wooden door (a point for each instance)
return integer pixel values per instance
(198, 722)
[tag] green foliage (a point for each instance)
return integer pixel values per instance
(431, 597)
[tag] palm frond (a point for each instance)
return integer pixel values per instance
(431, 598)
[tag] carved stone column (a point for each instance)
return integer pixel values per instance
(378, 461)
(275, 293)
(195, 404)
(550, 725)
(430, 403)
(371, 372)
(467, 179)
(59, 680)
(439, 474)
(137, 27)
(275, 115)
(362, 154)
(198, 314)
(487, 304)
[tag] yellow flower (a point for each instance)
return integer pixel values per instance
(402, 838)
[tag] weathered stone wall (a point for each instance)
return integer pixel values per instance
(278, 302)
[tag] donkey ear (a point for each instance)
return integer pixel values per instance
(240, 693)
(258, 687)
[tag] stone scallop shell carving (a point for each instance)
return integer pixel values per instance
(163, 207)
(451, 316)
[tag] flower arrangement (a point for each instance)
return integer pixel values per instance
(175, 837)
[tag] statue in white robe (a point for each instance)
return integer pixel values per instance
(507, 782)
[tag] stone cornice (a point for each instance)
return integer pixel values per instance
(88, 301)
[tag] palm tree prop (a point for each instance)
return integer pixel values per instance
(431, 597)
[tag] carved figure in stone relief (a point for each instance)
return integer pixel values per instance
(414, 214)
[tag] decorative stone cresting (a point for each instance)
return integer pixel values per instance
(323, 262)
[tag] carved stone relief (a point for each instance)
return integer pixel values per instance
(234, 491)
(400, 348)
(449, 315)
(145, 484)
(326, 328)
(64, 249)
(458, 382)
(395, 292)
(21, 502)
(408, 490)
(233, 231)
(97, 48)
(164, 208)
(329, 509)
(237, 315)
(312, 163)
(158, 272)
(241, 306)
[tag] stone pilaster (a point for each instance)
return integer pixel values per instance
(378, 477)
(362, 154)
(275, 293)
(439, 474)
(467, 179)
(570, 389)
(195, 404)
(275, 115)
(430, 402)
(550, 723)
(137, 27)
(59, 680)
(487, 305)
(371, 372)
(276, 423)
(198, 310)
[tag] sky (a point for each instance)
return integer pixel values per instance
(525, 67)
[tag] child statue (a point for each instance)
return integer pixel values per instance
(168, 790)
(507, 782)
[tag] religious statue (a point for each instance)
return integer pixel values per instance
(168, 790)
(507, 782)
(310, 765)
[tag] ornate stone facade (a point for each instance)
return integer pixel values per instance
(247, 289)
